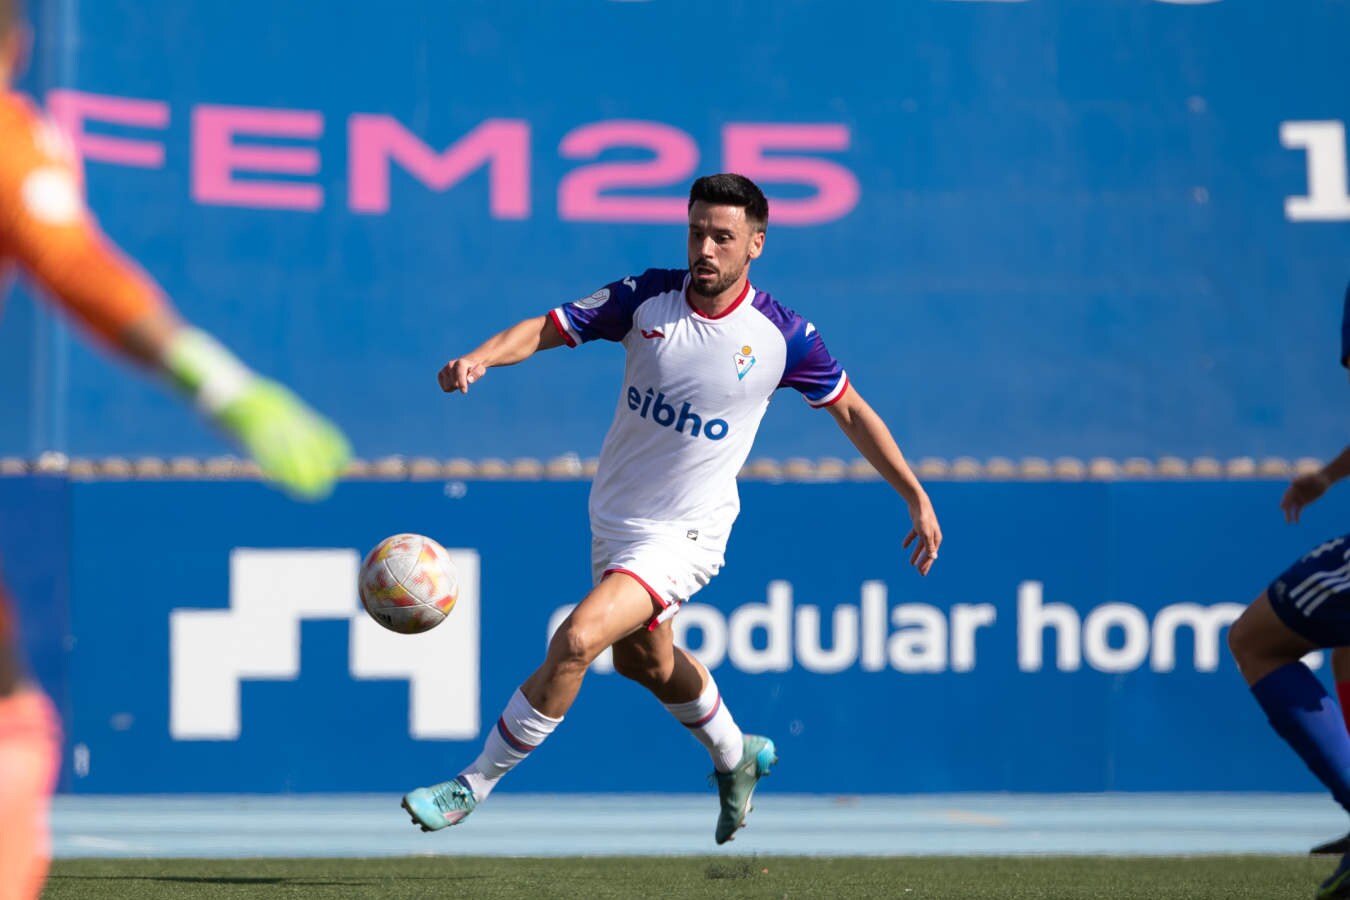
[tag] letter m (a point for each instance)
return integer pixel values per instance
(378, 141)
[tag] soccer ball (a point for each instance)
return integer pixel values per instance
(408, 583)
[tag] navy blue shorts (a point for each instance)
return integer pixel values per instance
(1312, 596)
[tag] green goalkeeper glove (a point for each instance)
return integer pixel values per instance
(295, 447)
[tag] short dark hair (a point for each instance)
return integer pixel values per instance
(730, 189)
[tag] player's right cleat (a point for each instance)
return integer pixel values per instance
(440, 805)
(1335, 847)
(735, 788)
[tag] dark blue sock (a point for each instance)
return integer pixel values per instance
(1304, 715)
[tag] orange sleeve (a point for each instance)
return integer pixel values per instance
(47, 229)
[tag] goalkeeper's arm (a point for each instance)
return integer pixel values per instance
(295, 447)
(45, 225)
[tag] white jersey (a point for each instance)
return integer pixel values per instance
(695, 389)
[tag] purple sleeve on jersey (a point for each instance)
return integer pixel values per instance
(608, 313)
(810, 368)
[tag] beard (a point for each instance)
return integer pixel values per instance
(723, 281)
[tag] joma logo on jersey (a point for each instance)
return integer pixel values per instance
(653, 405)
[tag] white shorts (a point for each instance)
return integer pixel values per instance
(672, 570)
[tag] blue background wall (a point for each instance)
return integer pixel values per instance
(1147, 726)
(1070, 236)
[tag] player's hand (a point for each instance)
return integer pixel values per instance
(1301, 491)
(925, 535)
(295, 447)
(458, 374)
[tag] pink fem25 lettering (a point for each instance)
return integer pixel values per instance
(273, 159)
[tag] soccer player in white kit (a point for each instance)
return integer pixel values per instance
(705, 352)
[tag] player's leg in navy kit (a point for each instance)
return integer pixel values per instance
(1340, 673)
(1304, 609)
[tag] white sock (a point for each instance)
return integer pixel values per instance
(520, 729)
(709, 720)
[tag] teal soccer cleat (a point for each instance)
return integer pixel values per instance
(440, 805)
(1338, 885)
(735, 788)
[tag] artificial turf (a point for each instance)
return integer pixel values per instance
(911, 878)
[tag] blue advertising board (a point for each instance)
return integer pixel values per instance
(1026, 228)
(35, 570)
(1078, 629)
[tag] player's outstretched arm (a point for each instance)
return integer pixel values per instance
(1304, 489)
(866, 430)
(516, 344)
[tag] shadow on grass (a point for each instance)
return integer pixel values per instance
(234, 879)
(744, 868)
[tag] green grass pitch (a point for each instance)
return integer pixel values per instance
(622, 878)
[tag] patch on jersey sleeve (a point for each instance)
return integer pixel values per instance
(598, 299)
(51, 195)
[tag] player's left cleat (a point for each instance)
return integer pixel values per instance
(735, 788)
(440, 805)
(1338, 885)
(1334, 847)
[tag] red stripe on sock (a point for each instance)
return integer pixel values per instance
(708, 718)
(515, 742)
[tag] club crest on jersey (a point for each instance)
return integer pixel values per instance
(744, 362)
(599, 298)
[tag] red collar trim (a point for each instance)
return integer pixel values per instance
(745, 292)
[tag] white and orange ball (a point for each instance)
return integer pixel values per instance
(408, 583)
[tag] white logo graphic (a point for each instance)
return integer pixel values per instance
(810, 329)
(599, 298)
(1328, 172)
(258, 637)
